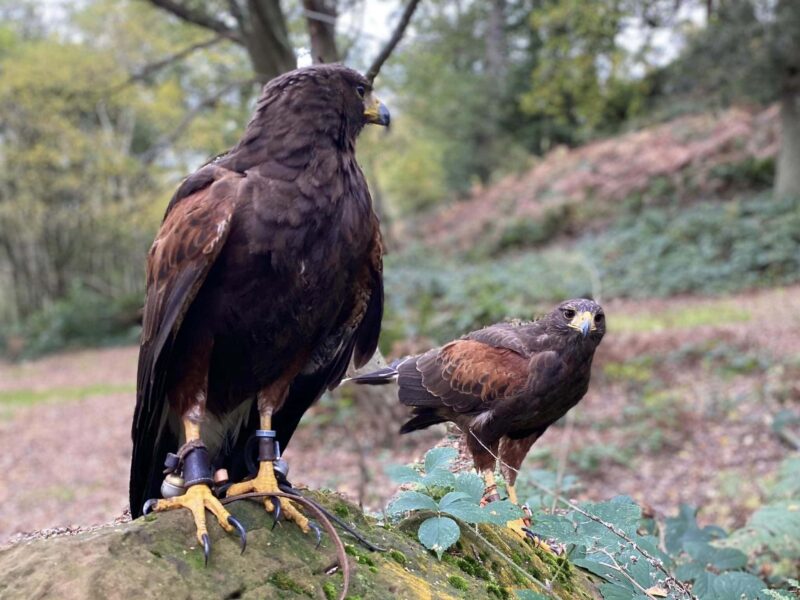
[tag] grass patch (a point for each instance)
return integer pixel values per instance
(11, 400)
(717, 313)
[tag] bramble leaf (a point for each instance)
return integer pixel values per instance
(439, 458)
(502, 511)
(452, 498)
(411, 500)
(438, 534)
(403, 474)
(470, 483)
(439, 478)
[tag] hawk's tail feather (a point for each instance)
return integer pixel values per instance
(380, 377)
(421, 420)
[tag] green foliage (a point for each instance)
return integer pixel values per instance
(751, 173)
(449, 496)
(580, 77)
(90, 150)
(708, 248)
(748, 51)
(614, 542)
(772, 534)
(82, 318)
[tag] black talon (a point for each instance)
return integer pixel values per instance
(242, 533)
(276, 502)
(206, 547)
(317, 532)
(149, 506)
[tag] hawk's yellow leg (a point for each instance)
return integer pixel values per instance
(266, 482)
(518, 525)
(198, 499)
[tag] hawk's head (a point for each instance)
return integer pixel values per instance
(579, 319)
(322, 101)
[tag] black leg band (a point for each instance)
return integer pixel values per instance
(268, 447)
(197, 467)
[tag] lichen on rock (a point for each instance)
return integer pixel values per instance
(157, 557)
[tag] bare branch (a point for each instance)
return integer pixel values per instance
(168, 139)
(237, 13)
(397, 35)
(321, 23)
(153, 67)
(198, 18)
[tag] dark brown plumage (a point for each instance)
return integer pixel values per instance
(264, 281)
(503, 385)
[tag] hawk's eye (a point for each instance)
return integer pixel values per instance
(569, 314)
(361, 90)
(599, 318)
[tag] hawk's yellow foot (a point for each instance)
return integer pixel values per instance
(522, 525)
(264, 483)
(199, 498)
(522, 528)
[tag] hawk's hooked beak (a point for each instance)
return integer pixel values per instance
(583, 322)
(376, 112)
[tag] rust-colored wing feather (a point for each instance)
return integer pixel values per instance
(466, 376)
(192, 234)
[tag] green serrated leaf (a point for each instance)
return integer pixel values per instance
(411, 500)
(439, 478)
(736, 585)
(452, 498)
(501, 511)
(615, 591)
(723, 559)
(403, 474)
(689, 571)
(683, 528)
(467, 511)
(530, 595)
(557, 527)
(703, 586)
(470, 483)
(599, 568)
(438, 534)
(439, 458)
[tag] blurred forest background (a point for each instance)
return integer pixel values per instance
(645, 152)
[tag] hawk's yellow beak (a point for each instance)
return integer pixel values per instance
(376, 112)
(583, 322)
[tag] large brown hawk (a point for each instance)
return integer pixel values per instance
(263, 282)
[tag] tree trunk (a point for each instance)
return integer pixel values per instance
(267, 39)
(321, 23)
(787, 179)
(496, 45)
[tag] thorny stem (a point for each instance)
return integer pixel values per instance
(618, 568)
(655, 562)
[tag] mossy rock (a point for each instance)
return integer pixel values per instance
(157, 557)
